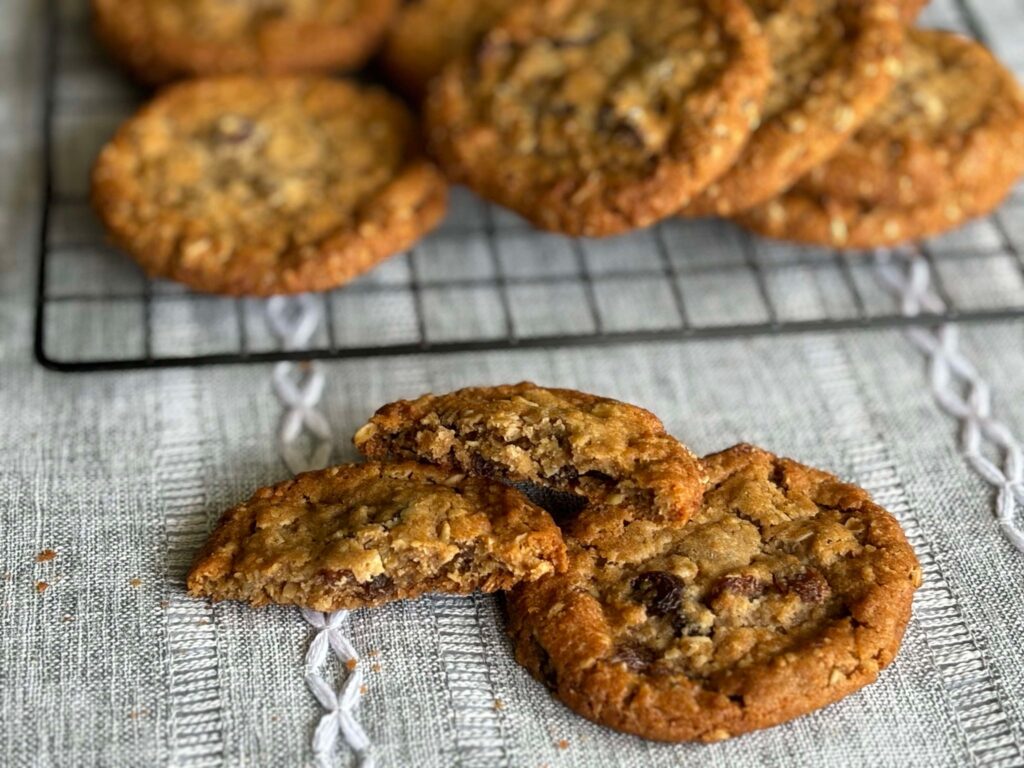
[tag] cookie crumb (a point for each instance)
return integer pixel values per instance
(363, 689)
(42, 586)
(351, 664)
(373, 653)
(375, 667)
(164, 604)
(45, 556)
(136, 582)
(67, 617)
(563, 743)
(499, 704)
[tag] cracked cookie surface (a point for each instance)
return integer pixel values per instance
(259, 186)
(786, 591)
(161, 41)
(616, 456)
(834, 62)
(427, 34)
(594, 117)
(367, 534)
(946, 146)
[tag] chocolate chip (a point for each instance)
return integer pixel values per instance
(810, 586)
(660, 592)
(747, 586)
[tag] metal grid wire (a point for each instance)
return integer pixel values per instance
(485, 280)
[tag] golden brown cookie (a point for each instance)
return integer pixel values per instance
(363, 535)
(593, 117)
(617, 456)
(946, 146)
(911, 9)
(260, 186)
(786, 591)
(834, 61)
(427, 34)
(160, 41)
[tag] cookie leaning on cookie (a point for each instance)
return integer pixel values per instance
(245, 185)
(615, 455)
(160, 41)
(785, 592)
(594, 117)
(946, 146)
(363, 535)
(427, 34)
(834, 62)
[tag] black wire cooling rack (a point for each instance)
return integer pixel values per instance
(484, 281)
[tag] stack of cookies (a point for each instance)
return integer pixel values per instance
(675, 598)
(822, 121)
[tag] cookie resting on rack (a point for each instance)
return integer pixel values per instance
(946, 146)
(158, 41)
(595, 117)
(785, 592)
(834, 62)
(253, 186)
(368, 534)
(616, 457)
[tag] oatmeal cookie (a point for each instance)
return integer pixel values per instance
(160, 41)
(786, 591)
(257, 186)
(594, 117)
(427, 34)
(617, 456)
(834, 62)
(946, 146)
(911, 9)
(367, 534)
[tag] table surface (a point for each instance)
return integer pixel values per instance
(121, 475)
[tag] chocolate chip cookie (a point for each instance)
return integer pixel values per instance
(617, 456)
(256, 186)
(946, 146)
(427, 34)
(160, 41)
(363, 535)
(834, 61)
(786, 591)
(593, 117)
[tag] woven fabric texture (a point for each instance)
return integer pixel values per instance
(105, 661)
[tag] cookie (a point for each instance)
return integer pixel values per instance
(362, 535)
(427, 34)
(160, 41)
(785, 592)
(947, 146)
(835, 61)
(617, 456)
(594, 117)
(257, 186)
(911, 9)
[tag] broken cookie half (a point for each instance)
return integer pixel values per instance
(362, 535)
